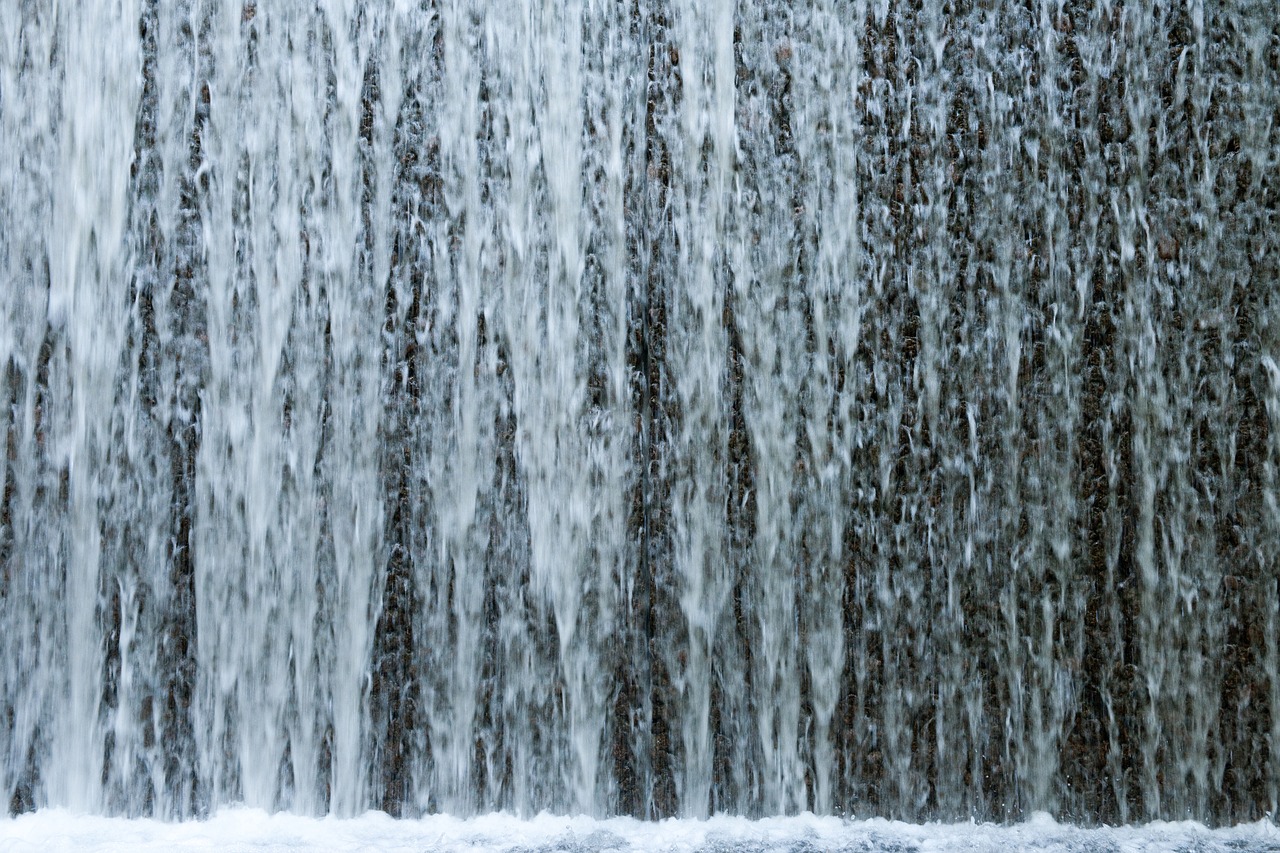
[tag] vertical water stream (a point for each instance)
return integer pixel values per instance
(657, 408)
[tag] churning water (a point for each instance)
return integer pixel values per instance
(648, 407)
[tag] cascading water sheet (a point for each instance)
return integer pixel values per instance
(666, 408)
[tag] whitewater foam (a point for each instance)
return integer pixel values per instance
(239, 830)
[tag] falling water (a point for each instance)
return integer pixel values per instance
(656, 408)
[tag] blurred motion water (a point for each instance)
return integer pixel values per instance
(666, 407)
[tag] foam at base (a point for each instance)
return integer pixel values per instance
(253, 830)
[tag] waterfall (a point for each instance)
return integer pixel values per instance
(657, 408)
